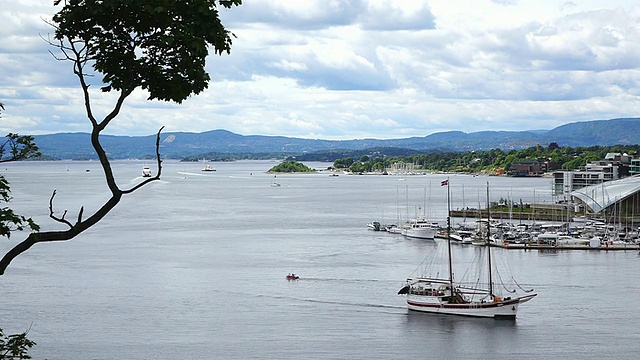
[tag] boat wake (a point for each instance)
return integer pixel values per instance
(335, 302)
(140, 178)
(362, 306)
(346, 303)
(190, 174)
(340, 279)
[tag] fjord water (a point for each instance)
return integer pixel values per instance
(193, 267)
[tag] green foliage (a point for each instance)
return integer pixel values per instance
(566, 158)
(343, 163)
(159, 45)
(10, 221)
(291, 167)
(20, 147)
(15, 346)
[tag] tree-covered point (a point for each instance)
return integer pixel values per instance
(291, 167)
(566, 158)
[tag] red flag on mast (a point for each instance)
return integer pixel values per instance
(444, 182)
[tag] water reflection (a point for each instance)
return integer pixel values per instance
(446, 336)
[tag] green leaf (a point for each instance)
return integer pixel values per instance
(158, 45)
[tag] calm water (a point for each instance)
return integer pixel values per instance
(193, 267)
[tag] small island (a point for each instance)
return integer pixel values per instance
(291, 167)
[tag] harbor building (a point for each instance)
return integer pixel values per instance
(530, 168)
(634, 169)
(614, 166)
(610, 199)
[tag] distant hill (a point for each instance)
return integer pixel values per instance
(179, 145)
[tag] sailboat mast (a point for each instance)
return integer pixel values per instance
(449, 237)
(488, 244)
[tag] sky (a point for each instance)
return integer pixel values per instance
(354, 69)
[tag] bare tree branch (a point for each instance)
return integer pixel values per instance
(79, 59)
(158, 159)
(51, 212)
(74, 229)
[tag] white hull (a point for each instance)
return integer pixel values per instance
(433, 304)
(392, 229)
(420, 233)
(374, 226)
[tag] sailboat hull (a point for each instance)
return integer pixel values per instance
(432, 304)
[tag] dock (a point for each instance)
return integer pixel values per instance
(614, 247)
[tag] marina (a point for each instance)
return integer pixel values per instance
(544, 226)
(584, 244)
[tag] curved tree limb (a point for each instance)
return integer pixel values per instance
(51, 212)
(158, 159)
(79, 59)
(81, 225)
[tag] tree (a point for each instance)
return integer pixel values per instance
(291, 167)
(158, 46)
(15, 346)
(20, 147)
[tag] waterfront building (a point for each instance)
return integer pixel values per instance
(618, 198)
(531, 167)
(613, 167)
(634, 168)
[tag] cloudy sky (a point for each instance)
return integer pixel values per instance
(350, 69)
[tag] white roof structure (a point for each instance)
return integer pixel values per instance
(601, 196)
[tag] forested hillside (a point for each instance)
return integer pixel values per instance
(567, 158)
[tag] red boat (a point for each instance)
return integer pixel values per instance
(292, 277)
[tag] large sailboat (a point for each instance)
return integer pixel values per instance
(439, 292)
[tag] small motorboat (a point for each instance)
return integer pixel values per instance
(292, 277)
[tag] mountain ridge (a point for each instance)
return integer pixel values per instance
(178, 145)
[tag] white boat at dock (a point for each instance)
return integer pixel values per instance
(375, 226)
(419, 228)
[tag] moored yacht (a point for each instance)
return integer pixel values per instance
(419, 228)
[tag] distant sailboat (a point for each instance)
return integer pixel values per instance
(274, 183)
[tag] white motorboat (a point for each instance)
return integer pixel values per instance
(374, 225)
(208, 167)
(393, 229)
(419, 228)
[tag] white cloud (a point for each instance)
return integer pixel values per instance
(355, 69)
